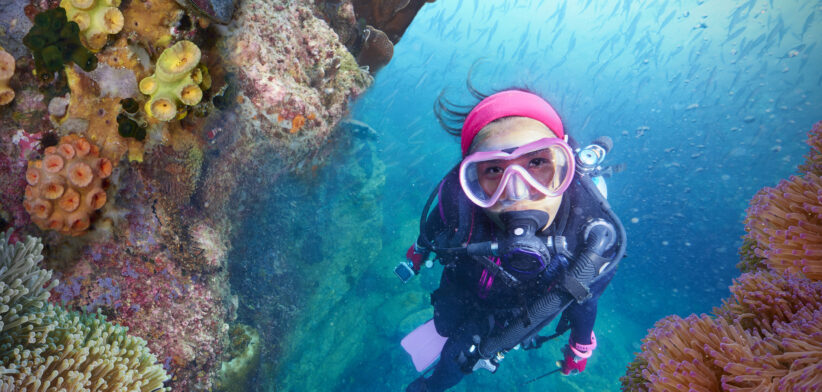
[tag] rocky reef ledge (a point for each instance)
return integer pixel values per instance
(132, 135)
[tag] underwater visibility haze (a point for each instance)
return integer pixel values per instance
(217, 200)
(706, 101)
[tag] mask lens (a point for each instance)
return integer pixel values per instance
(526, 173)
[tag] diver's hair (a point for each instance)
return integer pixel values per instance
(451, 115)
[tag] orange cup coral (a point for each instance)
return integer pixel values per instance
(297, 123)
(66, 186)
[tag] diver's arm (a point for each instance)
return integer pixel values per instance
(419, 251)
(581, 317)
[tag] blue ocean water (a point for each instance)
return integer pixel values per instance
(706, 101)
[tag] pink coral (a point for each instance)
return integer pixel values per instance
(27, 142)
(12, 184)
(142, 283)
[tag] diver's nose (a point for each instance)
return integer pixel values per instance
(516, 189)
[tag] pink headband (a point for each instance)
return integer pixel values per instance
(505, 104)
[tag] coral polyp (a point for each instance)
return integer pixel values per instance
(129, 128)
(177, 60)
(66, 186)
(96, 19)
(176, 79)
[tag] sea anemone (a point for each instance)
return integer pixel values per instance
(758, 300)
(44, 347)
(786, 223)
(768, 334)
(813, 161)
(673, 355)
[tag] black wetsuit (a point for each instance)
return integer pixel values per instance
(469, 302)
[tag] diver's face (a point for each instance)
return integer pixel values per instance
(511, 132)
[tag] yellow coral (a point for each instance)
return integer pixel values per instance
(66, 186)
(6, 72)
(96, 19)
(149, 22)
(100, 113)
(176, 79)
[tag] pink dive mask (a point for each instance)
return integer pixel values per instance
(529, 172)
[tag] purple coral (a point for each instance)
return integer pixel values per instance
(109, 297)
(69, 289)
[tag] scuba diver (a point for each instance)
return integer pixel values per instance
(524, 232)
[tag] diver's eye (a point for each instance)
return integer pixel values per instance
(537, 162)
(493, 170)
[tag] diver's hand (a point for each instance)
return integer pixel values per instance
(416, 257)
(571, 364)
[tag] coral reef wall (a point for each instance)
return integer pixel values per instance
(768, 334)
(301, 247)
(370, 29)
(268, 90)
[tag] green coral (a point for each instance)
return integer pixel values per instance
(176, 80)
(126, 125)
(96, 20)
(129, 128)
(45, 347)
(55, 42)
